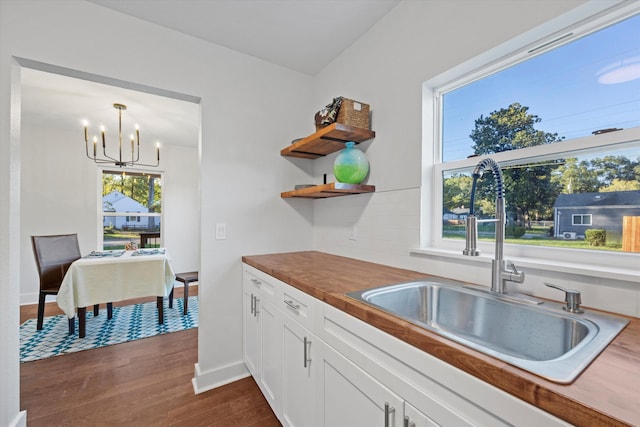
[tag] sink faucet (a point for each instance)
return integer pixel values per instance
(502, 271)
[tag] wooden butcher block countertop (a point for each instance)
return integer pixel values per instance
(606, 393)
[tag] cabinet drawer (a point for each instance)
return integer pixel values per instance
(261, 283)
(298, 306)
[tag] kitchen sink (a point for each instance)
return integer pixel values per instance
(540, 338)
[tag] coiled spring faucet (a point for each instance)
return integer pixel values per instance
(502, 271)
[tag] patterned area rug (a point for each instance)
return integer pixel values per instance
(129, 323)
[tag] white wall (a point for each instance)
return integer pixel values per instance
(243, 102)
(386, 68)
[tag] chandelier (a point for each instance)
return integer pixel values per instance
(135, 145)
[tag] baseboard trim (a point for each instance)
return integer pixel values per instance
(20, 420)
(205, 381)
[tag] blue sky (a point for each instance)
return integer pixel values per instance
(561, 87)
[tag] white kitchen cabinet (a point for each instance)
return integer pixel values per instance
(414, 418)
(271, 361)
(300, 360)
(278, 347)
(347, 396)
(262, 339)
(251, 332)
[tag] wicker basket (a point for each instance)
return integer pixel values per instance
(354, 113)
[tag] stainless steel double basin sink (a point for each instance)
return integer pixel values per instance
(539, 338)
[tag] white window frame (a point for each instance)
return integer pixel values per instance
(577, 23)
(582, 217)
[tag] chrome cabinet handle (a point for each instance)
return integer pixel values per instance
(388, 410)
(306, 343)
(292, 305)
(406, 421)
(256, 281)
(252, 304)
(255, 309)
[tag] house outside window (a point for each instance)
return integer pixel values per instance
(555, 117)
(581, 219)
(131, 206)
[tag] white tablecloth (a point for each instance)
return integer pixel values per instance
(95, 280)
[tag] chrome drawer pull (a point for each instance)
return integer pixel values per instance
(255, 309)
(306, 357)
(388, 410)
(291, 305)
(256, 281)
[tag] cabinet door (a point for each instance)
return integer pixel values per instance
(271, 355)
(251, 332)
(299, 375)
(347, 396)
(415, 418)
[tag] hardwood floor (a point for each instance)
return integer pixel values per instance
(140, 383)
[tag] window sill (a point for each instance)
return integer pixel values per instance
(603, 272)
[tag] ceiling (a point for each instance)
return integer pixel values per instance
(303, 35)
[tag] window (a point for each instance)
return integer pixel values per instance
(581, 219)
(562, 118)
(131, 206)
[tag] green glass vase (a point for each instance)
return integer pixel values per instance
(351, 165)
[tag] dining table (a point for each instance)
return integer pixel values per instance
(115, 275)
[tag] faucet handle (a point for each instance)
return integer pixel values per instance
(511, 273)
(571, 297)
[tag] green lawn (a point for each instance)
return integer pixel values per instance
(537, 236)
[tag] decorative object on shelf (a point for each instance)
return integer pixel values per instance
(354, 113)
(346, 111)
(328, 114)
(351, 165)
(135, 145)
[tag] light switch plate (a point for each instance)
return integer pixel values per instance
(221, 231)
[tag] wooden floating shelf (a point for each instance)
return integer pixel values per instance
(327, 140)
(334, 189)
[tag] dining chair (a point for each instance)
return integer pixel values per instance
(54, 254)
